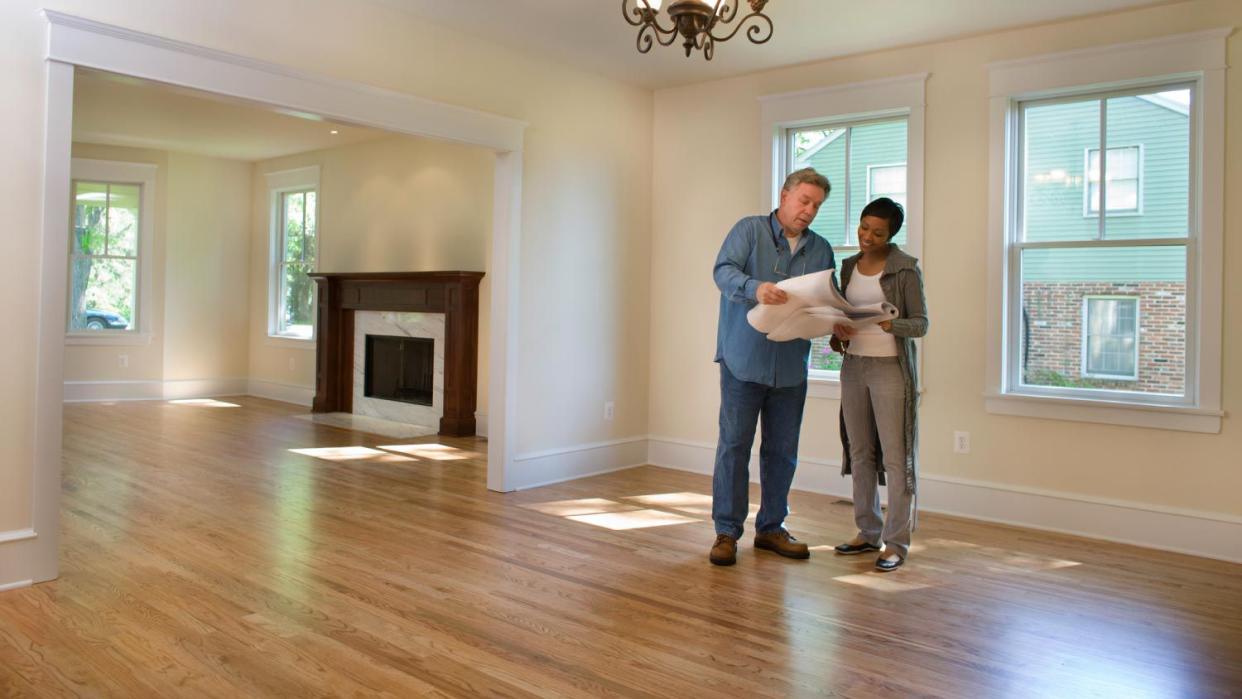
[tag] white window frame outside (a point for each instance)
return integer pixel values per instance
(1138, 183)
(846, 105)
(872, 195)
(278, 184)
(144, 175)
(1086, 317)
(1196, 59)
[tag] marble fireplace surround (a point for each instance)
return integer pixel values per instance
(408, 303)
(393, 324)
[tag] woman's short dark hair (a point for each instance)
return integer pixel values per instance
(888, 210)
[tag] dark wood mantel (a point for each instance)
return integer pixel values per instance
(455, 294)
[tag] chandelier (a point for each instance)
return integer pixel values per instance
(695, 21)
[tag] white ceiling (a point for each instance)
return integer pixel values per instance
(122, 111)
(594, 35)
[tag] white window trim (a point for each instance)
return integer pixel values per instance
(897, 97)
(1197, 58)
(1138, 184)
(278, 183)
(1138, 332)
(117, 172)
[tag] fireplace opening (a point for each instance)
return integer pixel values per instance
(399, 368)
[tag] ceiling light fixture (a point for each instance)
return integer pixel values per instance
(334, 132)
(695, 21)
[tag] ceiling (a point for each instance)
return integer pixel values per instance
(594, 35)
(122, 111)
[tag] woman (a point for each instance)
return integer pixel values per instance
(879, 396)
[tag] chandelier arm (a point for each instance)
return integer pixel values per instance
(726, 10)
(651, 33)
(758, 33)
(635, 14)
(709, 47)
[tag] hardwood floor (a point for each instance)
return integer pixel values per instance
(204, 555)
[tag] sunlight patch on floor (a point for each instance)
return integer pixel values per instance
(580, 506)
(884, 582)
(204, 403)
(352, 454)
(432, 452)
(634, 519)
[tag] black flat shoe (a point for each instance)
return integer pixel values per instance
(885, 563)
(848, 549)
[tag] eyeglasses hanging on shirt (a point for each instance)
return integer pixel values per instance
(786, 271)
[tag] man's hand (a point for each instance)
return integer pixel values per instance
(768, 293)
(886, 325)
(843, 332)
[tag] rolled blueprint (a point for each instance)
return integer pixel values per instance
(813, 308)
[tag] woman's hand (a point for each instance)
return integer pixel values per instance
(842, 331)
(886, 325)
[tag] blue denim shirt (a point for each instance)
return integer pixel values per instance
(757, 251)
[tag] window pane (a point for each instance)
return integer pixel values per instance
(293, 210)
(297, 300)
(1068, 337)
(822, 357)
(874, 145)
(1148, 177)
(824, 150)
(90, 201)
(102, 293)
(123, 200)
(1058, 140)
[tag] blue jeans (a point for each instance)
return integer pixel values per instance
(742, 404)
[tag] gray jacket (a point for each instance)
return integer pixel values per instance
(902, 283)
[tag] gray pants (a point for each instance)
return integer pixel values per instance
(873, 402)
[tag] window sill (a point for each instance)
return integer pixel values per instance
(109, 339)
(290, 342)
(1164, 417)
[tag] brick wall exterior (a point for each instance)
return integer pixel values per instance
(1055, 317)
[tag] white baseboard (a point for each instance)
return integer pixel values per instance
(283, 392)
(15, 558)
(480, 424)
(1205, 534)
(108, 391)
(536, 469)
(17, 535)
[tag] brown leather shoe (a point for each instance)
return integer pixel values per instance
(782, 542)
(724, 551)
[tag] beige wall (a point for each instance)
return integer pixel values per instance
(693, 212)
(585, 198)
(207, 259)
(393, 204)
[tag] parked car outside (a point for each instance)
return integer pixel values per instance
(104, 320)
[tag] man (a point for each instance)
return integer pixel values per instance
(759, 377)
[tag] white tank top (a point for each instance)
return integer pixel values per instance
(869, 340)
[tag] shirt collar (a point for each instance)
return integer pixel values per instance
(778, 231)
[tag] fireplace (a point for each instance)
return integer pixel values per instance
(399, 368)
(442, 306)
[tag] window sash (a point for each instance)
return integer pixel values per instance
(280, 311)
(74, 255)
(1015, 245)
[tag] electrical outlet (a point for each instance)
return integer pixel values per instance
(609, 410)
(123, 360)
(291, 364)
(961, 442)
